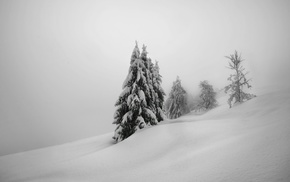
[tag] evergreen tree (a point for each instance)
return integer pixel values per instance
(135, 54)
(238, 80)
(207, 96)
(159, 93)
(133, 111)
(156, 93)
(150, 96)
(176, 104)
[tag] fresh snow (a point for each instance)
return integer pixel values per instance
(129, 77)
(249, 142)
(142, 96)
(126, 116)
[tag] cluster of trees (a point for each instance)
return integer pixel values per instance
(177, 103)
(141, 103)
(180, 102)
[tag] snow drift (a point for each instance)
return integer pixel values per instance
(249, 142)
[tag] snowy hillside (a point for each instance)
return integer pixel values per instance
(249, 142)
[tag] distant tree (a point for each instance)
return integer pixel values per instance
(207, 96)
(176, 104)
(133, 111)
(238, 80)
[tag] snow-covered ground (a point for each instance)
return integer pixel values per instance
(250, 142)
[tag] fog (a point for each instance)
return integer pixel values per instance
(63, 62)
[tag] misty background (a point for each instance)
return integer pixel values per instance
(63, 62)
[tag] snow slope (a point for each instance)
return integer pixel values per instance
(249, 142)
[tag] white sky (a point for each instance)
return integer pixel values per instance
(63, 62)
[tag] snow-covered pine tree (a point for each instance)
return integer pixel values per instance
(159, 93)
(132, 111)
(150, 96)
(176, 103)
(238, 80)
(135, 53)
(207, 96)
(156, 93)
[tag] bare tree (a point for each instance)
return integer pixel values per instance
(238, 80)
